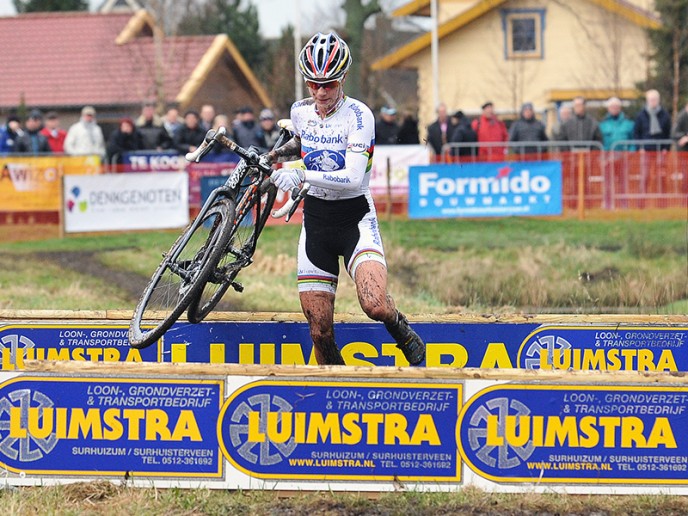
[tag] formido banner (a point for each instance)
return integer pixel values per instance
(114, 202)
(32, 183)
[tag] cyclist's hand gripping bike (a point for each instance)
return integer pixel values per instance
(205, 260)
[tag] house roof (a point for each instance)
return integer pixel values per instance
(73, 59)
(623, 8)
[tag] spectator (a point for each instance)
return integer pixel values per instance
(581, 127)
(9, 134)
(126, 138)
(408, 132)
(190, 135)
(616, 127)
(488, 128)
(440, 130)
(32, 141)
(220, 153)
(53, 132)
(564, 116)
(463, 133)
(151, 129)
(653, 122)
(85, 136)
(680, 131)
(172, 122)
(387, 129)
(246, 133)
(528, 129)
(207, 117)
(268, 126)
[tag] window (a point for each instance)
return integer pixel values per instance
(523, 33)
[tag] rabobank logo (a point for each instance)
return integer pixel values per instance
(324, 160)
(332, 430)
(89, 426)
(485, 189)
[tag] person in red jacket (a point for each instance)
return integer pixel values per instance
(53, 132)
(489, 128)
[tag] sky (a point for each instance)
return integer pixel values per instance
(274, 14)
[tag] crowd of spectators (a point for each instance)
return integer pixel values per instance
(174, 133)
(42, 134)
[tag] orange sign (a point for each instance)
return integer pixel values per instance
(34, 183)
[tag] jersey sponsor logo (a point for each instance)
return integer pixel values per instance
(324, 160)
(359, 116)
(357, 147)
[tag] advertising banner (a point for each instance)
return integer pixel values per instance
(619, 347)
(577, 434)
(33, 183)
(485, 190)
(110, 427)
(115, 202)
(400, 158)
(330, 430)
(153, 161)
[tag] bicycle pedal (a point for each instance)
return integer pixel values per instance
(237, 286)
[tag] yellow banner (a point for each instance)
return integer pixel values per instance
(34, 183)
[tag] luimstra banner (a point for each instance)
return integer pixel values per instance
(114, 202)
(32, 183)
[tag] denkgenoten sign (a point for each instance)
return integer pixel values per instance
(114, 202)
(485, 190)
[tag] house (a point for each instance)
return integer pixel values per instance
(516, 51)
(114, 62)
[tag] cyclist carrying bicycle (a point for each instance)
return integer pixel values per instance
(335, 136)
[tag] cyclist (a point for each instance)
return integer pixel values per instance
(335, 136)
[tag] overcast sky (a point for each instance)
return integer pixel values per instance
(274, 14)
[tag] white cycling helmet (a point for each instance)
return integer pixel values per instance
(326, 57)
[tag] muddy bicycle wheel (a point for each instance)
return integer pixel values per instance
(252, 213)
(181, 274)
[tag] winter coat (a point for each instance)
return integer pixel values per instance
(616, 129)
(386, 133)
(581, 129)
(120, 142)
(55, 139)
(681, 129)
(185, 138)
(490, 130)
(32, 142)
(528, 130)
(642, 129)
(435, 135)
(154, 136)
(85, 138)
(248, 134)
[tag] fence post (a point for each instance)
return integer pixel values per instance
(581, 185)
(388, 208)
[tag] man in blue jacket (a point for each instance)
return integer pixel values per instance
(653, 123)
(616, 127)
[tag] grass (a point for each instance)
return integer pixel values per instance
(443, 266)
(104, 498)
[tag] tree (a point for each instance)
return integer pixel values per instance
(228, 17)
(279, 71)
(670, 44)
(36, 6)
(356, 15)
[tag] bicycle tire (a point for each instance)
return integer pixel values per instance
(181, 274)
(242, 244)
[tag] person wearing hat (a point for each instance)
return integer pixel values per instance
(488, 128)
(387, 129)
(268, 126)
(9, 134)
(463, 134)
(528, 129)
(85, 137)
(53, 132)
(126, 138)
(32, 141)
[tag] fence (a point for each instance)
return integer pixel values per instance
(654, 176)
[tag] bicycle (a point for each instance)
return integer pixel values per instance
(205, 260)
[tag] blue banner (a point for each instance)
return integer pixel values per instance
(483, 345)
(577, 434)
(153, 161)
(110, 426)
(343, 430)
(485, 189)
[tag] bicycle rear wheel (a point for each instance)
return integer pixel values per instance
(181, 274)
(251, 215)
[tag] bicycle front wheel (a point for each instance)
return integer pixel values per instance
(181, 274)
(251, 215)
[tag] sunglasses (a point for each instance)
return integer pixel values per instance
(327, 85)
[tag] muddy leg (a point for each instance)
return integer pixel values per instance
(318, 307)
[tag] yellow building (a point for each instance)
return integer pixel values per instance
(515, 51)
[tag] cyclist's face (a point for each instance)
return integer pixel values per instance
(325, 95)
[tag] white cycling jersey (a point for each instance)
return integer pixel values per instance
(337, 150)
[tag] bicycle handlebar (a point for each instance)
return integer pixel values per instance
(220, 136)
(290, 206)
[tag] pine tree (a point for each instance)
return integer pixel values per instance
(36, 6)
